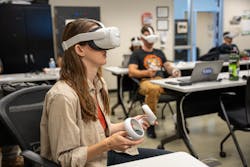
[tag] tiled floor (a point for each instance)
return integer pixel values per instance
(206, 132)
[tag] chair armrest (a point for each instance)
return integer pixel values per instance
(228, 94)
(136, 80)
(37, 159)
(230, 101)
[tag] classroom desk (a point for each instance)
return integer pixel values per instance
(177, 159)
(183, 91)
(119, 73)
(27, 77)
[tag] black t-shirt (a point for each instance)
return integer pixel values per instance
(224, 49)
(146, 60)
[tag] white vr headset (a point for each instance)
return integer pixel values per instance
(151, 38)
(103, 38)
(136, 42)
(230, 35)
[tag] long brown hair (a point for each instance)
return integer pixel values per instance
(74, 72)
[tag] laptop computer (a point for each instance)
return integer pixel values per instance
(204, 71)
(224, 57)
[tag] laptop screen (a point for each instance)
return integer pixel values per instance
(206, 71)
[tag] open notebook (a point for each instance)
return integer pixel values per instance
(204, 71)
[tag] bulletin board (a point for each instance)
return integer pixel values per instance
(65, 13)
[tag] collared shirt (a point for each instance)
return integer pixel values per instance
(64, 135)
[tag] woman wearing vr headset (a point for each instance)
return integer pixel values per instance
(75, 125)
(146, 64)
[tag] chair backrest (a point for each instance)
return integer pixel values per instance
(247, 102)
(21, 113)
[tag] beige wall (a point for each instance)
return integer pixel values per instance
(126, 15)
(236, 8)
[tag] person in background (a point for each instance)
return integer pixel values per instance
(228, 47)
(135, 45)
(75, 126)
(146, 64)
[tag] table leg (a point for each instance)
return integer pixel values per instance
(181, 126)
(181, 131)
(119, 97)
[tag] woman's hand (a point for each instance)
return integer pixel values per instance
(144, 121)
(119, 141)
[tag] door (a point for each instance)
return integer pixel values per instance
(205, 36)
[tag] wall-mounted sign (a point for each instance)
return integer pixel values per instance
(181, 27)
(162, 11)
(245, 23)
(162, 25)
(147, 18)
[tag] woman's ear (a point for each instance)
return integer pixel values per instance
(79, 50)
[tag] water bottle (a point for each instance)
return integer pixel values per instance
(234, 67)
(52, 63)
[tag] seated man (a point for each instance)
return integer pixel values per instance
(146, 64)
(222, 52)
(228, 47)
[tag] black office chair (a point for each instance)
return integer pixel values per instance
(20, 113)
(236, 113)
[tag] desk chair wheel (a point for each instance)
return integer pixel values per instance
(223, 154)
(160, 147)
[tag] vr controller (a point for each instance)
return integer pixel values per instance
(150, 115)
(134, 127)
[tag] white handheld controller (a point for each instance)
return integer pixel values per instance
(134, 128)
(151, 116)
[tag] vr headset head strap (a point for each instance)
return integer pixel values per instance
(150, 30)
(82, 37)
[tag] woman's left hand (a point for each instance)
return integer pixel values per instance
(144, 121)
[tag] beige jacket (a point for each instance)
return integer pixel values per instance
(64, 135)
